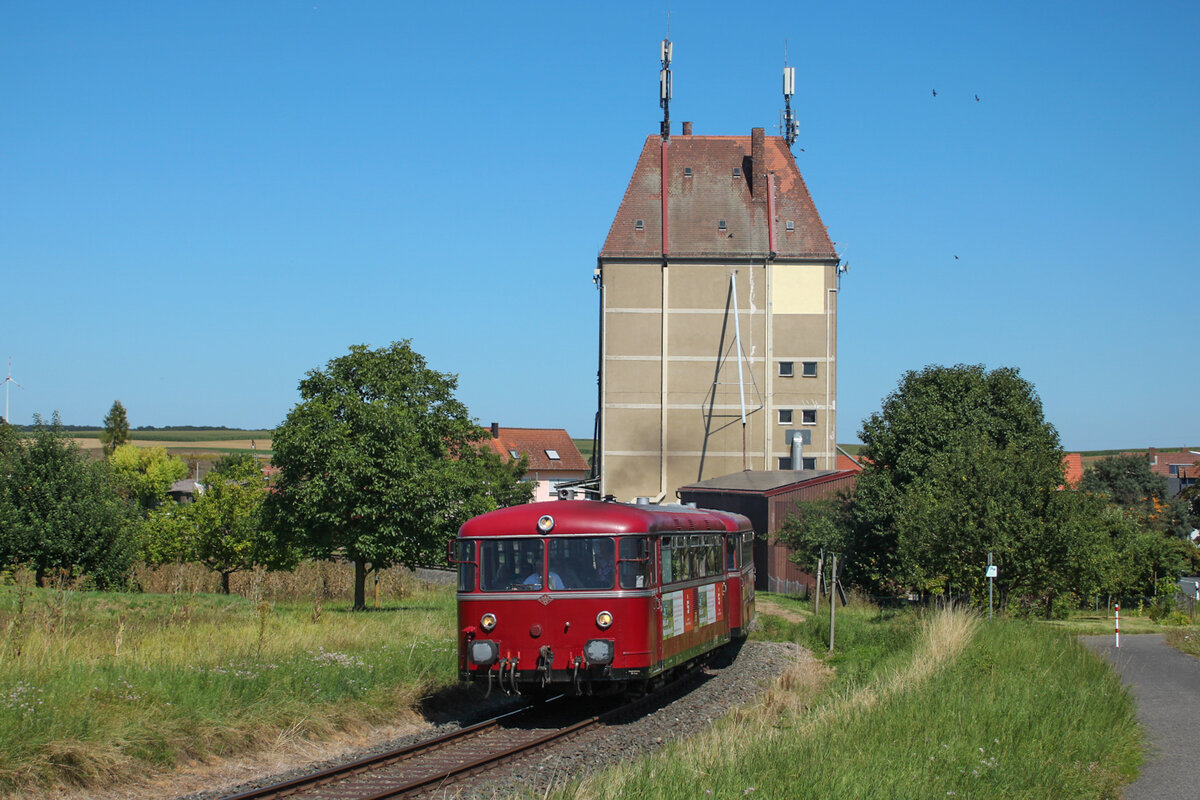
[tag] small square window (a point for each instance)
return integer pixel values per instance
(722, 225)
(552, 455)
(786, 369)
(737, 172)
(640, 224)
(809, 463)
(785, 462)
(687, 172)
(791, 226)
(808, 369)
(785, 416)
(808, 416)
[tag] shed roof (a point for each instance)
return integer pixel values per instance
(763, 481)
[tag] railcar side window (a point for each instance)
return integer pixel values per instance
(747, 549)
(464, 556)
(668, 562)
(582, 562)
(731, 552)
(634, 563)
(511, 565)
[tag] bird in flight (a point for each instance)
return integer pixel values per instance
(976, 98)
(934, 92)
(956, 258)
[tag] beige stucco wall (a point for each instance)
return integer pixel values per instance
(784, 314)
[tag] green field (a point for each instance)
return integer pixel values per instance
(97, 688)
(942, 704)
(206, 435)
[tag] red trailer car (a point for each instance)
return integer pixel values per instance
(598, 596)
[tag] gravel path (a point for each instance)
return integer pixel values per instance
(733, 678)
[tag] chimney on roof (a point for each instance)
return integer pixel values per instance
(687, 128)
(758, 163)
(495, 430)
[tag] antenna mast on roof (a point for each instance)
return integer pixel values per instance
(664, 82)
(791, 128)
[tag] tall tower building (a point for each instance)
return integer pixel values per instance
(718, 335)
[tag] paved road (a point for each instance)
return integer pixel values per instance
(1166, 685)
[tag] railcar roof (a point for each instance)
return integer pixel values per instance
(594, 517)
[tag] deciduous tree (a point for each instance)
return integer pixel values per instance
(960, 462)
(380, 462)
(60, 510)
(145, 474)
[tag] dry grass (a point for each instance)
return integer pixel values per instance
(793, 707)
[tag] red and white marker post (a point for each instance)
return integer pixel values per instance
(1117, 624)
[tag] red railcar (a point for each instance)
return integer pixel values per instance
(598, 596)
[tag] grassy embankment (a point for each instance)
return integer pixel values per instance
(936, 705)
(96, 688)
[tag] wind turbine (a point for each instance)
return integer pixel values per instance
(7, 381)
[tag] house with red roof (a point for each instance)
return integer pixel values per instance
(1180, 467)
(718, 307)
(552, 455)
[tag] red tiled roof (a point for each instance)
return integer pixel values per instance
(1072, 469)
(698, 203)
(534, 442)
(1161, 462)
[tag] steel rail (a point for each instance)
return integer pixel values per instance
(332, 774)
(371, 763)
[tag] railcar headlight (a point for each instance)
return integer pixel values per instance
(603, 620)
(545, 523)
(484, 652)
(598, 651)
(487, 622)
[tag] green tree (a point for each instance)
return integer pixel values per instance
(1128, 481)
(817, 526)
(227, 523)
(379, 463)
(960, 463)
(116, 428)
(233, 463)
(60, 510)
(145, 474)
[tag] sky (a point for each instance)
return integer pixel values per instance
(201, 201)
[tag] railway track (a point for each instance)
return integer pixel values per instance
(447, 760)
(436, 763)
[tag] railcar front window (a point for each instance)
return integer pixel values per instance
(582, 562)
(635, 564)
(464, 556)
(511, 565)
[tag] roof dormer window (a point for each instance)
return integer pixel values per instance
(722, 226)
(514, 454)
(791, 226)
(737, 172)
(687, 172)
(553, 455)
(640, 224)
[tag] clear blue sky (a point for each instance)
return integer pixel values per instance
(201, 201)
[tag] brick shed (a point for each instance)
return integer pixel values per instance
(767, 498)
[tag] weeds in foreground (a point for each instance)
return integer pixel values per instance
(97, 688)
(959, 708)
